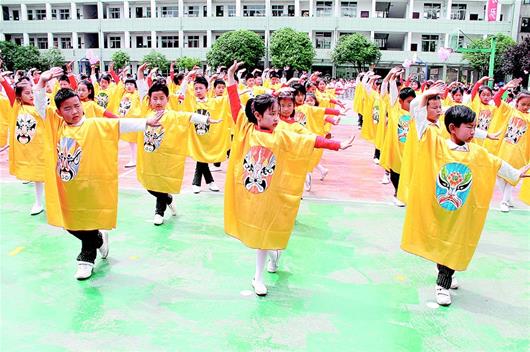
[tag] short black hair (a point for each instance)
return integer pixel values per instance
(458, 115)
(275, 75)
(260, 104)
(131, 80)
(298, 89)
(64, 78)
(177, 79)
(249, 76)
(483, 88)
(201, 80)
(407, 92)
(63, 94)
(218, 82)
(457, 90)
(158, 87)
(106, 77)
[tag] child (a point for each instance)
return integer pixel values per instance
(265, 176)
(82, 177)
(482, 105)
(85, 90)
(449, 196)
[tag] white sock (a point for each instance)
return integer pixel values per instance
(132, 148)
(261, 256)
(321, 168)
(39, 191)
(275, 254)
(507, 192)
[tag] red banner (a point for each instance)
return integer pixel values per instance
(491, 10)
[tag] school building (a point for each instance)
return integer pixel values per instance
(406, 29)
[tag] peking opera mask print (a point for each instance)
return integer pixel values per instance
(403, 128)
(301, 118)
(258, 168)
(68, 158)
(516, 129)
(453, 185)
(25, 129)
(202, 128)
(152, 138)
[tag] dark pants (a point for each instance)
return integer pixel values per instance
(227, 155)
(360, 120)
(202, 169)
(445, 276)
(377, 153)
(91, 240)
(162, 201)
(394, 178)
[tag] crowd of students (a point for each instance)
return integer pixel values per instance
(63, 130)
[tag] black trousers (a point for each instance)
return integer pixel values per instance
(162, 201)
(377, 153)
(91, 240)
(360, 120)
(201, 170)
(394, 178)
(445, 276)
(227, 155)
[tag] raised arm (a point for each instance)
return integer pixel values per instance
(233, 96)
(9, 90)
(477, 86)
(514, 83)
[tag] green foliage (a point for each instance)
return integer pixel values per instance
(289, 47)
(516, 59)
(241, 45)
(355, 49)
(156, 59)
(52, 58)
(120, 59)
(8, 50)
(187, 63)
(480, 61)
(18, 57)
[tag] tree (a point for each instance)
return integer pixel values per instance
(18, 57)
(52, 58)
(289, 47)
(241, 45)
(355, 49)
(8, 50)
(155, 59)
(516, 60)
(120, 59)
(480, 61)
(187, 63)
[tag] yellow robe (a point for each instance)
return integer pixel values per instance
(105, 97)
(485, 117)
(449, 198)
(382, 123)
(264, 184)
(129, 106)
(314, 119)
(92, 109)
(82, 174)
(525, 191)
(370, 116)
(27, 140)
(396, 136)
(162, 152)
(515, 140)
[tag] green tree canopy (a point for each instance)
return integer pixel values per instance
(356, 50)
(156, 59)
(480, 61)
(120, 59)
(516, 59)
(52, 58)
(289, 47)
(187, 63)
(241, 45)
(18, 57)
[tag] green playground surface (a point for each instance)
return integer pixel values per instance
(343, 284)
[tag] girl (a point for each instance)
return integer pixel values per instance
(265, 176)
(85, 90)
(104, 89)
(482, 105)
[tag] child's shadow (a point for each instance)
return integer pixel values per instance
(478, 304)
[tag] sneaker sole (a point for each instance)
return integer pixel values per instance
(33, 214)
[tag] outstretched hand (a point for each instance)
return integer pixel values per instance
(155, 120)
(214, 121)
(523, 171)
(347, 143)
(494, 136)
(54, 72)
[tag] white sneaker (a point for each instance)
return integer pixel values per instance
(213, 187)
(26, 182)
(397, 202)
(307, 183)
(510, 204)
(323, 174)
(443, 296)
(272, 266)
(84, 270)
(385, 180)
(158, 220)
(376, 161)
(215, 168)
(259, 288)
(104, 249)
(505, 208)
(173, 207)
(36, 209)
(454, 283)
(196, 189)
(131, 163)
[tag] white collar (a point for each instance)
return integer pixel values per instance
(79, 123)
(460, 148)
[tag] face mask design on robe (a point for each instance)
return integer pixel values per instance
(258, 166)
(300, 117)
(25, 129)
(484, 120)
(375, 114)
(202, 128)
(102, 99)
(453, 185)
(516, 129)
(403, 128)
(125, 105)
(152, 138)
(68, 158)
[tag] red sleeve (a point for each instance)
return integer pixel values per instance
(498, 96)
(475, 89)
(73, 82)
(110, 115)
(407, 82)
(423, 86)
(9, 92)
(446, 91)
(114, 76)
(149, 81)
(330, 120)
(323, 143)
(333, 112)
(172, 75)
(235, 103)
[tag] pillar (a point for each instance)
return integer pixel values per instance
(153, 39)
(127, 40)
(23, 13)
(125, 9)
(48, 11)
(73, 11)
(297, 8)
(238, 8)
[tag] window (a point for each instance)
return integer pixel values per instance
(54, 14)
(365, 14)
(64, 14)
(525, 24)
(219, 11)
(432, 11)
(458, 12)
(253, 10)
(526, 2)
(231, 10)
(114, 42)
(66, 43)
(40, 14)
(380, 40)
(323, 40)
(277, 11)
(429, 43)
(192, 41)
(16, 15)
(169, 41)
(169, 11)
(139, 41)
(192, 11)
(114, 12)
(42, 43)
(348, 9)
(290, 10)
(324, 8)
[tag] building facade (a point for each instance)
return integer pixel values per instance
(403, 30)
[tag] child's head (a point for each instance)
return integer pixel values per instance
(85, 90)
(275, 78)
(219, 87)
(177, 79)
(485, 94)
(69, 106)
(200, 86)
(406, 95)
(311, 99)
(434, 108)
(458, 95)
(263, 111)
(24, 93)
(415, 84)
(460, 123)
(104, 81)
(64, 82)
(286, 102)
(310, 87)
(299, 93)
(250, 81)
(130, 85)
(522, 102)
(321, 85)
(158, 96)
(259, 81)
